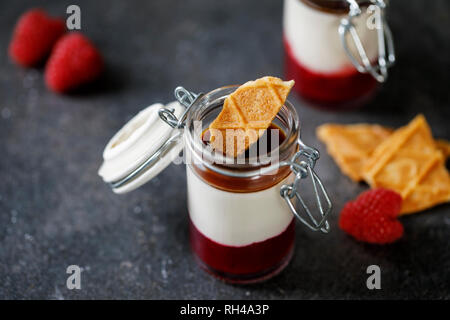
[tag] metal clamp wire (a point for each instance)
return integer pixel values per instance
(384, 36)
(290, 191)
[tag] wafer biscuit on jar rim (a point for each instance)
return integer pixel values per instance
(247, 113)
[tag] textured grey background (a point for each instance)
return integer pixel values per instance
(55, 210)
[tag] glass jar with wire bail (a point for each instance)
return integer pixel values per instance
(241, 213)
(337, 51)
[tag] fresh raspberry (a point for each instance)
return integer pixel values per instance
(73, 61)
(34, 36)
(372, 217)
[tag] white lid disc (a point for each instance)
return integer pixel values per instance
(135, 143)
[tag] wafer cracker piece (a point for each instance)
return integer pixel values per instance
(352, 145)
(409, 163)
(444, 146)
(432, 189)
(247, 113)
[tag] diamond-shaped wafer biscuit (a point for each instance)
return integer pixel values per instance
(247, 113)
(432, 189)
(352, 145)
(444, 146)
(409, 163)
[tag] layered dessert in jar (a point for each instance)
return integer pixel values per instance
(315, 56)
(241, 229)
(241, 150)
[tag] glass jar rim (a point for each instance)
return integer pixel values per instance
(334, 6)
(194, 142)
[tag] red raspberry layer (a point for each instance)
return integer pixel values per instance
(338, 87)
(254, 259)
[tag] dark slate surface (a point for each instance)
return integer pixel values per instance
(55, 210)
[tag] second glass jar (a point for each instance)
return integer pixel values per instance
(315, 57)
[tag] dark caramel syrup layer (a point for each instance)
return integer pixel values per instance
(244, 185)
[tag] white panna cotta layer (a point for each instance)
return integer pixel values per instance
(314, 39)
(236, 219)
